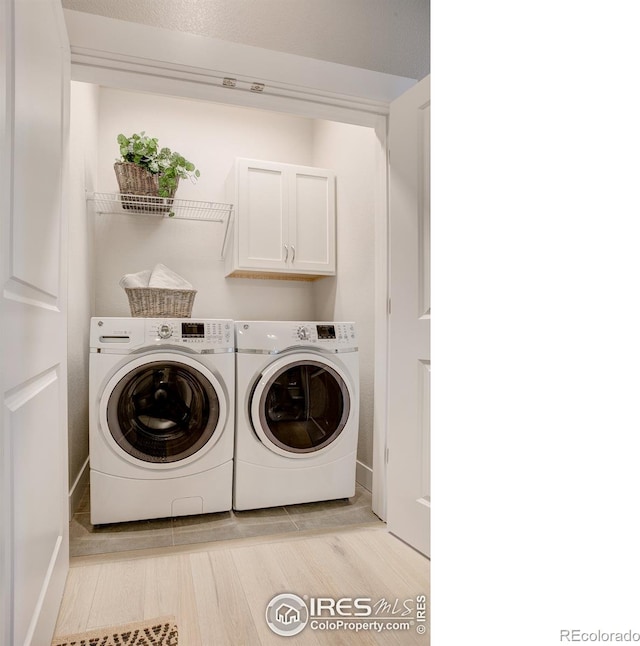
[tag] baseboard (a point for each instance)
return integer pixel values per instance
(77, 488)
(364, 475)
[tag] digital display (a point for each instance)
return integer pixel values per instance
(326, 331)
(193, 330)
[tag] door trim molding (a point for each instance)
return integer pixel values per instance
(136, 57)
(129, 55)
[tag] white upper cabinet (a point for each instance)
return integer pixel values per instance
(285, 221)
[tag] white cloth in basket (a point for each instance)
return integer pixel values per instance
(132, 281)
(161, 277)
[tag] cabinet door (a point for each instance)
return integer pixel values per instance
(262, 227)
(312, 221)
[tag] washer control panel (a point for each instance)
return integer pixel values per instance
(304, 333)
(165, 331)
(133, 334)
(200, 334)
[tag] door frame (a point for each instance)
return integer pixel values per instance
(136, 57)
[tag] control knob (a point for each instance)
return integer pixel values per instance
(164, 331)
(303, 333)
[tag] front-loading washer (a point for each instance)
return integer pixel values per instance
(297, 412)
(161, 417)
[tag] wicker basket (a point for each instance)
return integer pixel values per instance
(139, 189)
(150, 302)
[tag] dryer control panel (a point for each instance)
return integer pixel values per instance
(314, 332)
(276, 336)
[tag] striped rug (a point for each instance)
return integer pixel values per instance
(161, 631)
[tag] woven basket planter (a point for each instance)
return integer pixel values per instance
(139, 189)
(150, 302)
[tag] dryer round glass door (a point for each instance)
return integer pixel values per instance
(163, 411)
(300, 406)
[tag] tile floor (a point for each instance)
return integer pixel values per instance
(85, 539)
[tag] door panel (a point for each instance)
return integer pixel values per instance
(424, 172)
(424, 393)
(33, 432)
(37, 154)
(408, 442)
(163, 412)
(303, 407)
(37, 520)
(300, 405)
(312, 222)
(156, 411)
(262, 223)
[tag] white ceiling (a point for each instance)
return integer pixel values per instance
(390, 36)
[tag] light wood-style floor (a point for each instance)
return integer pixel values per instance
(219, 591)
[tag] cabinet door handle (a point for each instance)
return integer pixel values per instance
(286, 253)
(293, 255)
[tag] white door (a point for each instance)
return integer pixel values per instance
(34, 531)
(262, 220)
(301, 404)
(408, 495)
(312, 221)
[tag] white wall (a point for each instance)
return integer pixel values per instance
(83, 176)
(211, 136)
(350, 152)
(389, 36)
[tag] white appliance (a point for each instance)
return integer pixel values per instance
(297, 411)
(161, 417)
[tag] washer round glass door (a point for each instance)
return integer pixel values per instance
(163, 409)
(300, 405)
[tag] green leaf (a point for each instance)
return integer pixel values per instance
(169, 166)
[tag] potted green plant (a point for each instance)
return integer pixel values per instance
(148, 175)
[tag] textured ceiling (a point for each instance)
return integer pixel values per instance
(389, 36)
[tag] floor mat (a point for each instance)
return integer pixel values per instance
(161, 631)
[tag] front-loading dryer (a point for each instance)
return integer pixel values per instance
(297, 390)
(161, 427)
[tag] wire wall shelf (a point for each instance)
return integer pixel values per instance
(161, 207)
